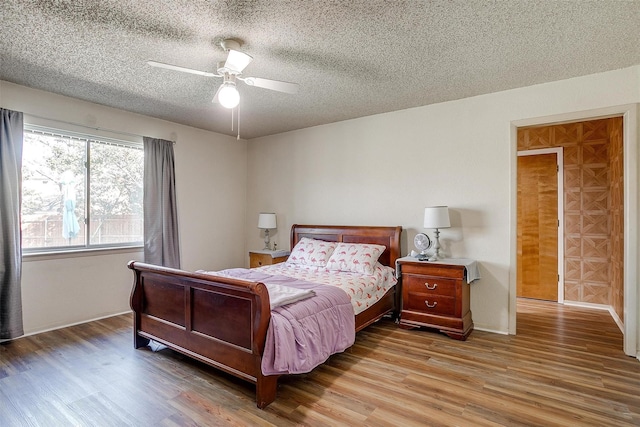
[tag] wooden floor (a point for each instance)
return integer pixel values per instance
(564, 367)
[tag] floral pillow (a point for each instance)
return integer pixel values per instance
(355, 257)
(311, 252)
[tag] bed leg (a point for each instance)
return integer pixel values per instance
(139, 341)
(266, 387)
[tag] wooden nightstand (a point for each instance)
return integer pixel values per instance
(436, 295)
(265, 257)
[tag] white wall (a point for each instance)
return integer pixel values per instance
(211, 181)
(384, 169)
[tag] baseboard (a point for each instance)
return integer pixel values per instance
(617, 319)
(493, 331)
(68, 325)
(608, 308)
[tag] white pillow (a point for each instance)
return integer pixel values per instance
(311, 252)
(355, 257)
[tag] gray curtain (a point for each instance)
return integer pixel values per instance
(161, 240)
(11, 136)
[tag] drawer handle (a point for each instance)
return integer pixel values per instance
(431, 287)
(431, 305)
(259, 262)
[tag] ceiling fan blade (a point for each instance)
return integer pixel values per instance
(181, 69)
(237, 61)
(272, 84)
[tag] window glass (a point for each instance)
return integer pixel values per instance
(116, 194)
(62, 174)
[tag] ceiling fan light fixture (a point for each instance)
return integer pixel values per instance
(228, 95)
(237, 61)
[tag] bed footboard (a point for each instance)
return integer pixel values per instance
(220, 321)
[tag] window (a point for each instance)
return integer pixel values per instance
(80, 191)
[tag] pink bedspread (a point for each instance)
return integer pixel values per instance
(304, 334)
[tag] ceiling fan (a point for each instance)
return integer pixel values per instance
(231, 71)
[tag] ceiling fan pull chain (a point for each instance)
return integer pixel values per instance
(232, 120)
(238, 137)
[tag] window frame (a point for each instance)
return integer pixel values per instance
(86, 248)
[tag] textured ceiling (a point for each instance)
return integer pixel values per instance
(351, 58)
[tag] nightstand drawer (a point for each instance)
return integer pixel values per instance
(417, 283)
(430, 304)
(258, 259)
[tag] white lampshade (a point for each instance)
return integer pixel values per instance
(228, 95)
(267, 220)
(436, 217)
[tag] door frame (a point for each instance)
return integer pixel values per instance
(558, 151)
(629, 113)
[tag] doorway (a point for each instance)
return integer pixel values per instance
(596, 247)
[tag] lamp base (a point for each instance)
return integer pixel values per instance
(436, 248)
(267, 245)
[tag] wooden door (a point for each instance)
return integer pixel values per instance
(537, 264)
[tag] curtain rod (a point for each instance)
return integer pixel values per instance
(88, 127)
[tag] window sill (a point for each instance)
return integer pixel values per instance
(78, 253)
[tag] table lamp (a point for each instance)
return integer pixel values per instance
(267, 221)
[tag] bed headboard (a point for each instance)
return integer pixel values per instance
(387, 236)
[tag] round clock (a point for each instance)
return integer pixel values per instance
(422, 242)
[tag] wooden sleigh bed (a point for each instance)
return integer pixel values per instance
(223, 322)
